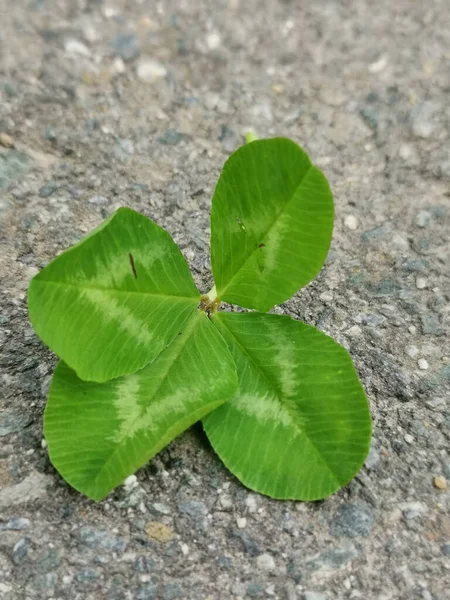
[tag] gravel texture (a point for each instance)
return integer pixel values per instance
(138, 103)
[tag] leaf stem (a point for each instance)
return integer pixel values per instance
(212, 294)
(250, 136)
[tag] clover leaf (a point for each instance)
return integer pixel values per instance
(271, 224)
(99, 433)
(109, 305)
(144, 355)
(299, 425)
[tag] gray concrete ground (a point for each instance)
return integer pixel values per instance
(138, 103)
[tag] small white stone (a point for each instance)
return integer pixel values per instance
(400, 242)
(421, 283)
(129, 557)
(266, 562)
(241, 523)
(251, 503)
(408, 153)
(412, 329)
(75, 47)
(161, 508)
(326, 297)
(351, 222)
(118, 66)
(43, 444)
(110, 11)
(408, 438)
(354, 331)
(226, 501)
(412, 351)
(213, 40)
(150, 71)
(130, 482)
(422, 363)
(184, 549)
(418, 507)
(379, 65)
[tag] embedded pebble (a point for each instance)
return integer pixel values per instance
(147, 591)
(164, 509)
(15, 524)
(421, 283)
(412, 351)
(76, 47)
(150, 71)
(413, 510)
(48, 189)
(241, 522)
(130, 482)
(313, 596)
(423, 219)
(20, 550)
(6, 140)
(159, 531)
(409, 154)
(251, 503)
(332, 558)
(13, 422)
(379, 65)
(422, 363)
(101, 539)
(193, 508)
(254, 590)
(225, 501)
(213, 40)
(171, 137)
(248, 544)
(351, 222)
(352, 520)
(409, 439)
(33, 487)
(99, 201)
(266, 562)
(373, 458)
(440, 482)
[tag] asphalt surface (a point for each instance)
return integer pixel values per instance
(106, 104)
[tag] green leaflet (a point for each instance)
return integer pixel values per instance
(299, 426)
(98, 434)
(271, 224)
(109, 305)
